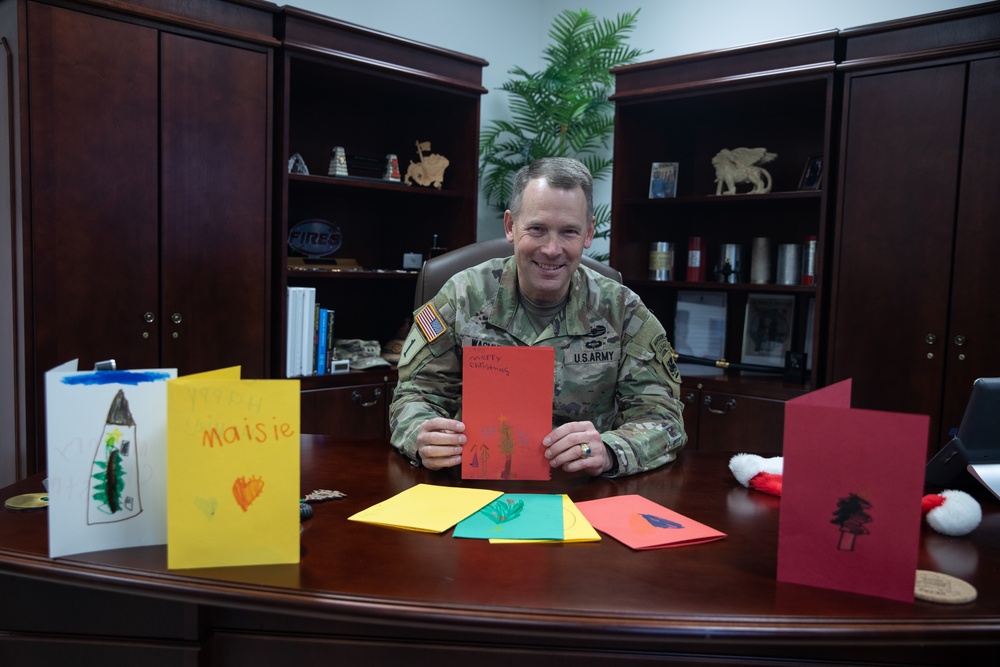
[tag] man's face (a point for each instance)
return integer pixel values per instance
(549, 236)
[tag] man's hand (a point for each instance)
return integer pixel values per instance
(439, 443)
(577, 447)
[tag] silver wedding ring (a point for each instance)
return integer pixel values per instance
(585, 448)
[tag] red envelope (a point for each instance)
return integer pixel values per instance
(851, 490)
(507, 410)
(642, 524)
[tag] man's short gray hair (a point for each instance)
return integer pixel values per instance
(563, 173)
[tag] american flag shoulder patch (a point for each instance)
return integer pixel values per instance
(429, 321)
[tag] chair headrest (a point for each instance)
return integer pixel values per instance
(437, 270)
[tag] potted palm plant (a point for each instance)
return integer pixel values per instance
(562, 110)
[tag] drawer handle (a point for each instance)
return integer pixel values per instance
(356, 395)
(730, 405)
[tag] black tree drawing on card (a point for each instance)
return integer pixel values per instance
(851, 517)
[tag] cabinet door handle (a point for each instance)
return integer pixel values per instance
(688, 398)
(730, 405)
(356, 396)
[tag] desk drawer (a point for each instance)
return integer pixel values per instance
(358, 412)
(738, 423)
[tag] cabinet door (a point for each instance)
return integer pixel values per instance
(93, 242)
(214, 203)
(971, 344)
(903, 136)
(736, 423)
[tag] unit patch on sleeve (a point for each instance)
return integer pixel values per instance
(429, 321)
(665, 353)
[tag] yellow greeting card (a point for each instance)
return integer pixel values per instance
(427, 507)
(232, 471)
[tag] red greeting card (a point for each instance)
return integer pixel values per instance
(507, 410)
(640, 523)
(851, 490)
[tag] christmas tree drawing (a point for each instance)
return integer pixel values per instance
(115, 470)
(851, 517)
(506, 446)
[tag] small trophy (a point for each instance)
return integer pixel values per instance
(391, 168)
(338, 162)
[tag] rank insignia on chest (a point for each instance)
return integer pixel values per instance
(429, 321)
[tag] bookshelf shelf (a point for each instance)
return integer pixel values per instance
(374, 95)
(779, 96)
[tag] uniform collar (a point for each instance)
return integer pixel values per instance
(575, 319)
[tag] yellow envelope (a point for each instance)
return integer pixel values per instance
(232, 470)
(576, 528)
(427, 507)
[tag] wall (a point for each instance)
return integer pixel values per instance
(515, 32)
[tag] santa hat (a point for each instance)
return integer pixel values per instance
(757, 473)
(949, 512)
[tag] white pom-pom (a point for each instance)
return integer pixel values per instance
(746, 466)
(959, 514)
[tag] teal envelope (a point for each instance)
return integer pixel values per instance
(516, 516)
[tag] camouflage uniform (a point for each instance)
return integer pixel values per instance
(613, 363)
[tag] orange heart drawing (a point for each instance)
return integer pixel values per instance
(246, 491)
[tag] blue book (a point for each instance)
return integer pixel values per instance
(323, 326)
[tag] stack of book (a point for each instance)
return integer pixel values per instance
(309, 340)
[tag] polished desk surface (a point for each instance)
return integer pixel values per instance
(597, 595)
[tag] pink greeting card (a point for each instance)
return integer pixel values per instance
(851, 490)
(642, 524)
(507, 410)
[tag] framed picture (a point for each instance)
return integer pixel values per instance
(663, 180)
(812, 173)
(700, 324)
(767, 330)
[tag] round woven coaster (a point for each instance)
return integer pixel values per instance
(937, 587)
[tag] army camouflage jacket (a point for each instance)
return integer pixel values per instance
(613, 363)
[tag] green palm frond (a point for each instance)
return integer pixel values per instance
(562, 110)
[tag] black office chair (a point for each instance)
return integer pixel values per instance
(436, 271)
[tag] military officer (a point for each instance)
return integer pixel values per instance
(615, 407)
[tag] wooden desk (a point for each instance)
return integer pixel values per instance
(365, 594)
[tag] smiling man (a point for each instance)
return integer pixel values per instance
(614, 409)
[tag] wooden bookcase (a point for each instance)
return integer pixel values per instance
(372, 94)
(781, 96)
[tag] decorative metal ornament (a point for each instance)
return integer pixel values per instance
(430, 169)
(296, 165)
